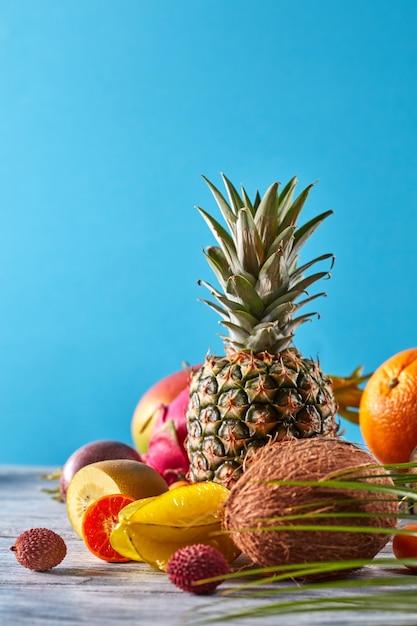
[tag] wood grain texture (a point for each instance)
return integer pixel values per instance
(84, 590)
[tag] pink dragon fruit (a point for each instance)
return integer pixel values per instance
(166, 452)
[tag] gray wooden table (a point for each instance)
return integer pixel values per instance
(85, 590)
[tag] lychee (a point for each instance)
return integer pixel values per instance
(39, 549)
(196, 562)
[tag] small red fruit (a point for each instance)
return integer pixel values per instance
(39, 549)
(196, 562)
(405, 546)
(98, 522)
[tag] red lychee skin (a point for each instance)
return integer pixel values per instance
(197, 562)
(39, 549)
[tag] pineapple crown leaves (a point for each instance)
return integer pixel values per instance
(255, 263)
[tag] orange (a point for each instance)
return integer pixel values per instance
(405, 546)
(388, 409)
(99, 519)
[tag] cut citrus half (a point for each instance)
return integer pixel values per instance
(98, 522)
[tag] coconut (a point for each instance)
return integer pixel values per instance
(255, 504)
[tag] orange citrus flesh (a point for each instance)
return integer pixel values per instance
(177, 518)
(99, 519)
(388, 409)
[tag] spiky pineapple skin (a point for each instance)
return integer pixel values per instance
(240, 401)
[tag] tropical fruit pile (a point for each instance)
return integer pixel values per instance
(261, 388)
(150, 525)
(202, 432)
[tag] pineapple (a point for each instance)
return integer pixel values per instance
(262, 389)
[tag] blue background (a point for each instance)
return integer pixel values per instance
(109, 114)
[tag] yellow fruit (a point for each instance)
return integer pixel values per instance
(121, 542)
(195, 505)
(127, 511)
(131, 478)
(119, 537)
(177, 518)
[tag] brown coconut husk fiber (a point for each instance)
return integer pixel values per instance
(254, 504)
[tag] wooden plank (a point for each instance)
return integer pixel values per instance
(84, 590)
